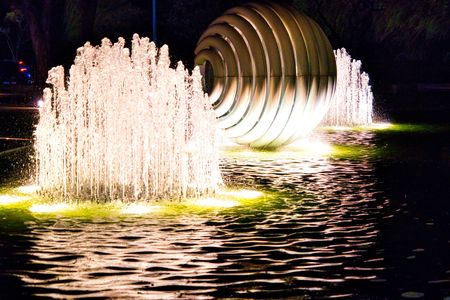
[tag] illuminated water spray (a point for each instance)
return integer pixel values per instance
(352, 103)
(126, 126)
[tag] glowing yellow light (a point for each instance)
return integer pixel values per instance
(139, 209)
(49, 208)
(6, 199)
(246, 194)
(312, 147)
(213, 202)
(28, 189)
(337, 128)
(380, 125)
(377, 126)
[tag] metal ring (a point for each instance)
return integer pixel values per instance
(274, 73)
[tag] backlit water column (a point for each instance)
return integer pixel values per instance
(352, 103)
(270, 73)
(126, 126)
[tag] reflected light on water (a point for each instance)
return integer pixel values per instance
(28, 189)
(318, 230)
(49, 208)
(381, 125)
(6, 199)
(373, 126)
(312, 147)
(107, 259)
(223, 199)
(213, 202)
(140, 209)
(337, 128)
(301, 148)
(245, 194)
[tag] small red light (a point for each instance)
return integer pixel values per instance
(23, 69)
(20, 62)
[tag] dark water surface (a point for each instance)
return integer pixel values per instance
(370, 220)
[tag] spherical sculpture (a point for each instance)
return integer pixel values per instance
(270, 72)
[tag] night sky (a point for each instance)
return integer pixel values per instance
(398, 42)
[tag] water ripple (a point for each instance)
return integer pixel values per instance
(318, 235)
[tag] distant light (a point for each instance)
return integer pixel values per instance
(7, 199)
(48, 208)
(213, 202)
(20, 62)
(40, 103)
(246, 194)
(23, 69)
(28, 189)
(139, 209)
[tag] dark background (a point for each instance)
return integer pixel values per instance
(403, 44)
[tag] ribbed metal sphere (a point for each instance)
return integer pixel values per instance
(270, 73)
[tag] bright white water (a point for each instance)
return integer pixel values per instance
(352, 103)
(126, 126)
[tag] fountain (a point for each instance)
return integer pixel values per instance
(129, 127)
(361, 214)
(126, 126)
(352, 103)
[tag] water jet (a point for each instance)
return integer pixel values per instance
(352, 104)
(126, 126)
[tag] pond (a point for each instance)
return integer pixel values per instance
(360, 213)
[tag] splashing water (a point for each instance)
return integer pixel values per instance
(126, 127)
(352, 103)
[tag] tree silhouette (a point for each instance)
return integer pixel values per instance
(46, 25)
(13, 29)
(397, 29)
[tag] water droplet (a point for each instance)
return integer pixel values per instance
(418, 250)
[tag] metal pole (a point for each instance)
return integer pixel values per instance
(154, 20)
